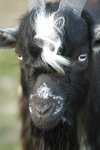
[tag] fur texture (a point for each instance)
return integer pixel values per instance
(60, 79)
(72, 131)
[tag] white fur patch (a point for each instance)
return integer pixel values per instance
(44, 92)
(49, 28)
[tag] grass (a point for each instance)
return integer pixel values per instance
(8, 63)
(9, 82)
(10, 12)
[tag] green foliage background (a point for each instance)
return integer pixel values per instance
(10, 125)
(9, 120)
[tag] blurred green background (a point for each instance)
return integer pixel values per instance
(10, 13)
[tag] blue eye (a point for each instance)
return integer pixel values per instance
(82, 57)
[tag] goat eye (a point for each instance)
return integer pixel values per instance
(20, 57)
(82, 57)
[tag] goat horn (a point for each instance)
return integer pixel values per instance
(76, 5)
(36, 4)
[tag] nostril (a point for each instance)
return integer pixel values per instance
(43, 109)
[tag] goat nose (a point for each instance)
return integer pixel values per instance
(43, 109)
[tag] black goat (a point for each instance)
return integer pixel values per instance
(58, 49)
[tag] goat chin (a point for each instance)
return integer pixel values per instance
(45, 116)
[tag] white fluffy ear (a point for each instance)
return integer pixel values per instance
(96, 43)
(8, 37)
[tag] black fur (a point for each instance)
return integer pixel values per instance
(80, 86)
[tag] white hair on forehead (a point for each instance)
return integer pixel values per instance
(49, 28)
(49, 24)
(54, 60)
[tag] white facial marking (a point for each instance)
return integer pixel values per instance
(49, 28)
(44, 92)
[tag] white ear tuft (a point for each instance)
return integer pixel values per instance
(96, 42)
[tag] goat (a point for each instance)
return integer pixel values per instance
(58, 48)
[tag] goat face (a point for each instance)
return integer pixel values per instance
(54, 65)
(55, 62)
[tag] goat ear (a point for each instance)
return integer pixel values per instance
(8, 37)
(96, 42)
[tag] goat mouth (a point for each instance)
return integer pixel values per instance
(47, 120)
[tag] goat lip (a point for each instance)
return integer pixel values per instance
(45, 121)
(49, 111)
